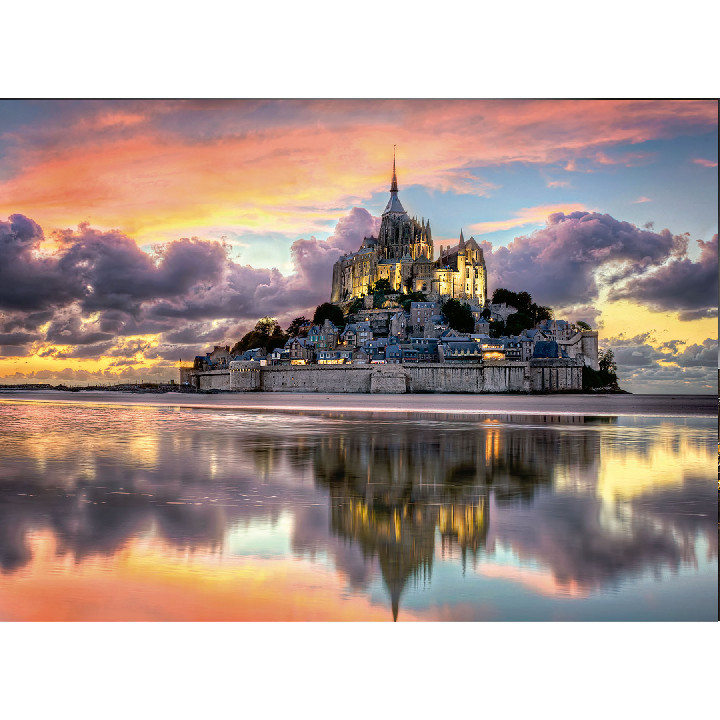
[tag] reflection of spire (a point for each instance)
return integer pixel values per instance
(395, 598)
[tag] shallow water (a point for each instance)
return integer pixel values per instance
(145, 512)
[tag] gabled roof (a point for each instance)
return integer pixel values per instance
(546, 349)
(394, 205)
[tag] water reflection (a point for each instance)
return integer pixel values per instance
(348, 511)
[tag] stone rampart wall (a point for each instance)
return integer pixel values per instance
(557, 375)
(322, 379)
(213, 380)
(470, 378)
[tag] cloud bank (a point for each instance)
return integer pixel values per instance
(98, 295)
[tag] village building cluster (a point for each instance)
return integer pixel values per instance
(422, 335)
(400, 259)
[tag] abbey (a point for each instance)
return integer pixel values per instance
(403, 254)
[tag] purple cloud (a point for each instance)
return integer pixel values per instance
(562, 265)
(174, 292)
(684, 285)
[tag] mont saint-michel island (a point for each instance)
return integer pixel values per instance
(401, 320)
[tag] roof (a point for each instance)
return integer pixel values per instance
(546, 349)
(461, 347)
(394, 205)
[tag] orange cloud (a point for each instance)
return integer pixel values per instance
(705, 163)
(527, 216)
(292, 165)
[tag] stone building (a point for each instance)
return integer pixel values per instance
(403, 254)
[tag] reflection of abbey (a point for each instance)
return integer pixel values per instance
(403, 253)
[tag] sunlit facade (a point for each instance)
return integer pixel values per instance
(402, 255)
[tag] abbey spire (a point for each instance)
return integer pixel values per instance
(393, 184)
(394, 205)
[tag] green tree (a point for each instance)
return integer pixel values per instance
(266, 326)
(606, 361)
(355, 306)
(382, 285)
(522, 301)
(540, 313)
(328, 311)
(497, 329)
(459, 316)
(605, 376)
(517, 322)
(294, 327)
(266, 334)
(583, 325)
(411, 297)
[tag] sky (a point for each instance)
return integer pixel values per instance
(134, 234)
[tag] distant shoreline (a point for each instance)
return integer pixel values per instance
(575, 404)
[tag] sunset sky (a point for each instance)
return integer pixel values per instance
(136, 233)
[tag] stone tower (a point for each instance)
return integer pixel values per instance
(400, 235)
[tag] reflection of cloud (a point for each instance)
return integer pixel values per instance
(539, 581)
(637, 467)
(151, 581)
(582, 506)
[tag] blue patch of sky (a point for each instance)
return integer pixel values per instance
(683, 194)
(261, 249)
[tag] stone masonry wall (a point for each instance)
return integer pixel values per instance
(556, 375)
(214, 380)
(446, 378)
(311, 378)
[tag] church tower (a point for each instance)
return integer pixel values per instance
(401, 236)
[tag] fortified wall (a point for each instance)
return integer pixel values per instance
(551, 375)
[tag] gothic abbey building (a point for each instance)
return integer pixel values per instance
(403, 253)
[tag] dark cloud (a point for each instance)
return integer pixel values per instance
(116, 274)
(705, 355)
(97, 287)
(14, 351)
(684, 285)
(18, 338)
(25, 321)
(557, 264)
(29, 282)
(668, 367)
(68, 329)
(84, 351)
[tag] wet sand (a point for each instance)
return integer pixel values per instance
(601, 405)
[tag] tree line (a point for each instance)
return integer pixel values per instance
(268, 334)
